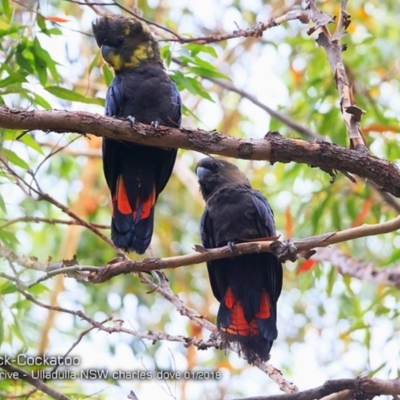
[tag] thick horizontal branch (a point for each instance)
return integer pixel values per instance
(284, 250)
(273, 147)
(359, 386)
(288, 250)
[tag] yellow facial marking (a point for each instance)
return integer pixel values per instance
(115, 60)
(142, 53)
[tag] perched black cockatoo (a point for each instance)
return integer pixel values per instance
(142, 91)
(247, 286)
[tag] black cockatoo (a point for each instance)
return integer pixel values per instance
(142, 91)
(247, 286)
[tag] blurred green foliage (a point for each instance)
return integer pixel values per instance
(345, 327)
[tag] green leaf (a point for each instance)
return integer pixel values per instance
(195, 49)
(44, 56)
(16, 76)
(209, 73)
(94, 62)
(14, 88)
(190, 84)
(332, 276)
(41, 70)
(187, 111)
(7, 288)
(21, 58)
(108, 75)
(39, 289)
(166, 54)
(3, 204)
(7, 12)
(7, 30)
(30, 142)
(377, 369)
(41, 23)
(16, 328)
(40, 101)
(13, 158)
(70, 95)
(54, 31)
(209, 50)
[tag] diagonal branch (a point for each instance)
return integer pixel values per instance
(358, 269)
(329, 157)
(51, 221)
(331, 43)
(23, 184)
(40, 385)
(164, 289)
(358, 386)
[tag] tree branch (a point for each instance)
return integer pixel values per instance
(40, 385)
(358, 269)
(358, 386)
(331, 43)
(51, 221)
(256, 31)
(329, 157)
(163, 288)
(302, 246)
(23, 184)
(278, 115)
(286, 251)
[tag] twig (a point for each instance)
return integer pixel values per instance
(256, 31)
(118, 326)
(46, 197)
(51, 221)
(163, 288)
(9, 396)
(358, 269)
(306, 132)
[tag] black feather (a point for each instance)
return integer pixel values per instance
(235, 212)
(146, 93)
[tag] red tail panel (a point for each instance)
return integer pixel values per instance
(147, 204)
(239, 325)
(265, 308)
(229, 298)
(121, 201)
(121, 197)
(238, 322)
